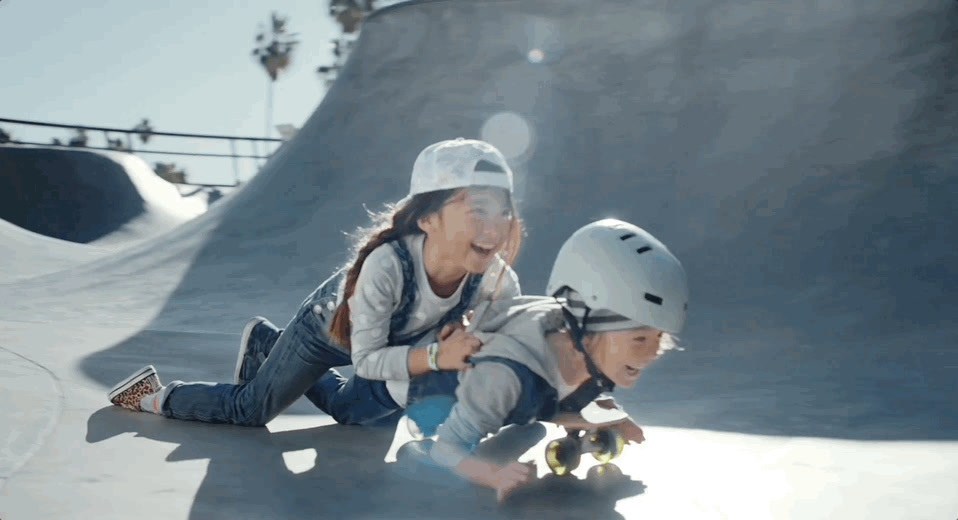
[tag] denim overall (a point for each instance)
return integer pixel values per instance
(348, 401)
(299, 364)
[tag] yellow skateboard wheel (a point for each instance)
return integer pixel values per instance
(563, 456)
(612, 445)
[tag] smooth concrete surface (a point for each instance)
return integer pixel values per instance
(27, 254)
(798, 157)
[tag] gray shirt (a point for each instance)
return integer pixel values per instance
(489, 392)
(377, 297)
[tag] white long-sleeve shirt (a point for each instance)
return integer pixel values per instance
(377, 296)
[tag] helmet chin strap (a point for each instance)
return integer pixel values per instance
(599, 379)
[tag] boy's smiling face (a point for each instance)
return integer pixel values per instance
(623, 355)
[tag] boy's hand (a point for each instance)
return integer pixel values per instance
(608, 403)
(504, 479)
(512, 477)
(630, 431)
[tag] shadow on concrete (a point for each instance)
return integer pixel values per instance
(248, 477)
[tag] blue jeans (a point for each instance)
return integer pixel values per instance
(355, 400)
(298, 364)
(430, 399)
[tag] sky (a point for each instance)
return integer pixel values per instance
(185, 65)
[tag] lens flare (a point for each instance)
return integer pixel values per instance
(510, 133)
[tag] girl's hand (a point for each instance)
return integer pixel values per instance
(455, 348)
(447, 331)
(450, 327)
(630, 431)
(510, 478)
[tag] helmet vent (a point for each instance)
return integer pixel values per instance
(643, 249)
(626, 236)
(653, 298)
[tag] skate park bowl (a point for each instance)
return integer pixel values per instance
(797, 157)
(104, 198)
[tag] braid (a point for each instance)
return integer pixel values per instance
(339, 326)
(388, 225)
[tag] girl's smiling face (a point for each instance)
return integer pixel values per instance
(623, 355)
(471, 228)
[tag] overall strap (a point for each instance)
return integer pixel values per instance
(400, 318)
(455, 313)
(538, 400)
(581, 397)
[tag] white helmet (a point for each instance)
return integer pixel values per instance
(619, 267)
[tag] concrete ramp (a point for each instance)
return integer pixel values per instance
(111, 199)
(798, 157)
(26, 254)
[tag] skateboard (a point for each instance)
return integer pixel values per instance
(599, 439)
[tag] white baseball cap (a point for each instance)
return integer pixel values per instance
(459, 163)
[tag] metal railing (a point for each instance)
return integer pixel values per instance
(254, 141)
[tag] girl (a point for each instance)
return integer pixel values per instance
(618, 295)
(419, 269)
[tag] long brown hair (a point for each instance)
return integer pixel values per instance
(396, 222)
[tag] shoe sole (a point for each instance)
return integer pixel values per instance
(127, 383)
(244, 344)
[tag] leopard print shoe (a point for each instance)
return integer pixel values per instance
(131, 391)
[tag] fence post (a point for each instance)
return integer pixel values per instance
(235, 164)
(255, 146)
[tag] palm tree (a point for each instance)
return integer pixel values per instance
(350, 15)
(144, 130)
(274, 51)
